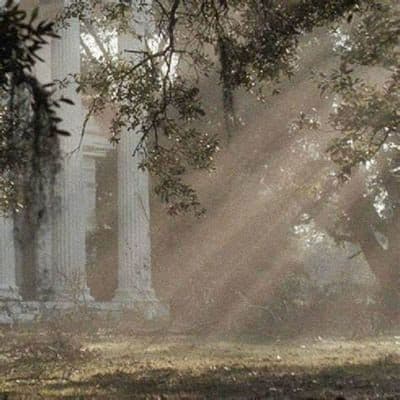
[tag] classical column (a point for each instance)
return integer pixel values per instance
(134, 268)
(44, 260)
(134, 247)
(8, 285)
(68, 227)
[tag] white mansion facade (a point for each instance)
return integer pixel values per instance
(61, 252)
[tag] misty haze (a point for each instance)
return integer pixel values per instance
(199, 199)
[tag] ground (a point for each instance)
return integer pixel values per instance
(108, 365)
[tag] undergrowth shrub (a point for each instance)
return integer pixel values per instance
(302, 307)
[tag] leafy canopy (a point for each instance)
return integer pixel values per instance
(154, 87)
(28, 118)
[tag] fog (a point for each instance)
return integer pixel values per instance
(282, 289)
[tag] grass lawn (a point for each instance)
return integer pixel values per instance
(115, 366)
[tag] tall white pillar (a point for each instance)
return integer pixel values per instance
(43, 251)
(44, 259)
(134, 246)
(68, 227)
(134, 261)
(8, 285)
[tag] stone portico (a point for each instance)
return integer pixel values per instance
(60, 262)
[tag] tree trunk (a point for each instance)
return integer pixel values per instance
(382, 255)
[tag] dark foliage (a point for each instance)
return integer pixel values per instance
(154, 90)
(28, 120)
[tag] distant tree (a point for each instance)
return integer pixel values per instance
(366, 86)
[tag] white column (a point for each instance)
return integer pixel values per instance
(68, 233)
(89, 180)
(134, 263)
(44, 260)
(134, 246)
(8, 285)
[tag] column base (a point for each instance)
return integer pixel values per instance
(9, 293)
(134, 313)
(5, 319)
(67, 297)
(9, 298)
(17, 312)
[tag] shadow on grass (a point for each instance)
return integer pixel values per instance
(380, 379)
